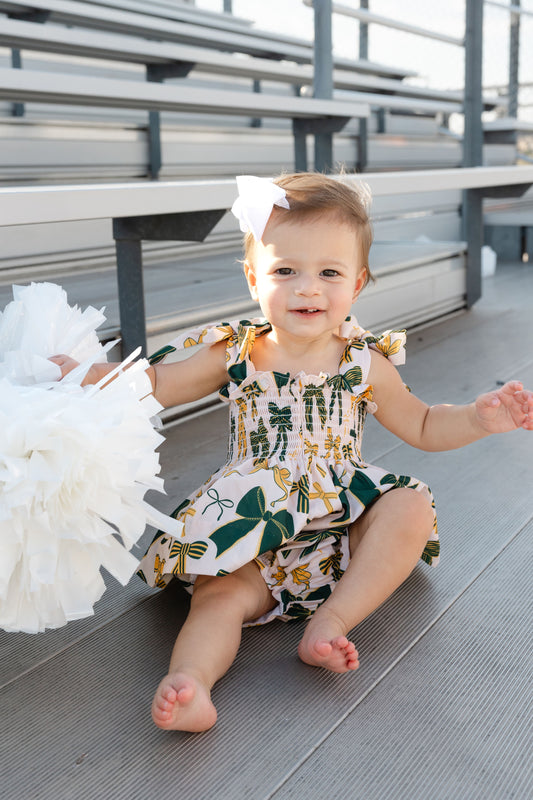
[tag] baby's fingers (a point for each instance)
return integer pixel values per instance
(511, 388)
(506, 408)
(66, 363)
(519, 401)
(525, 398)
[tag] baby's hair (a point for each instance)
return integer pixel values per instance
(311, 194)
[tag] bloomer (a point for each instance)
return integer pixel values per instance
(303, 573)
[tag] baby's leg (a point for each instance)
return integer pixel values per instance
(206, 647)
(385, 544)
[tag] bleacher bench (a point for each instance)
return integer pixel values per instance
(189, 210)
(253, 42)
(56, 39)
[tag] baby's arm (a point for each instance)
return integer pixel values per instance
(173, 384)
(190, 379)
(446, 427)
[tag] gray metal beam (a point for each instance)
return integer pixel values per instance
(17, 109)
(131, 295)
(362, 140)
(323, 79)
(514, 55)
(156, 73)
(473, 145)
(129, 233)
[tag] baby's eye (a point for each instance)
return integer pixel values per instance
(329, 273)
(283, 271)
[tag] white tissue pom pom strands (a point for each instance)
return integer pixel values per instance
(75, 464)
(39, 323)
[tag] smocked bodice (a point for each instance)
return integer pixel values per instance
(298, 418)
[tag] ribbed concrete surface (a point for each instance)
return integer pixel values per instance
(454, 718)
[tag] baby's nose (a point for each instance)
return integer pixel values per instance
(308, 285)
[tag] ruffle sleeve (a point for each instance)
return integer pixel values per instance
(239, 335)
(390, 343)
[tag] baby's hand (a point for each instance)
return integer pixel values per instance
(506, 409)
(66, 363)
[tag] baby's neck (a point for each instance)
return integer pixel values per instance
(275, 353)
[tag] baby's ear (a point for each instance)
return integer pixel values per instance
(360, 282)
(251, 279)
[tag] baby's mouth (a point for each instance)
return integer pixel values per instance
(307, 311)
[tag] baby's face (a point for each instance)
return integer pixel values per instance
(306, 276)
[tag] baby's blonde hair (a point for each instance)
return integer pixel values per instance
(312, 193)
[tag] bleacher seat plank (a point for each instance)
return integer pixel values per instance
(253, 42)
(25, 205)
(28, 86)
(186, 13)
(126, 22)
(57, 39)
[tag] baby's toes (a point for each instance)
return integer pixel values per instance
(342, 643)
(169, 696)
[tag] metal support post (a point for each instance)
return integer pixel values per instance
(155, 160)
(514, 52)
(318, 126)
(473, 146)
(362, 142)
(323, 79)
(256, 122)
(299, 132)
(129, 233)
(130, 293)
(18, 109)
(156, 73)
(228, 6)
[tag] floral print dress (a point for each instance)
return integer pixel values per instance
(294, 478)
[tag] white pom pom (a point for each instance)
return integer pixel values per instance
(75, 464)
(39, 323)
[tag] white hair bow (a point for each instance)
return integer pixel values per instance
(253, 207)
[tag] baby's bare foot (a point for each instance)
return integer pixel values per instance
(323, 645)
(182, 703)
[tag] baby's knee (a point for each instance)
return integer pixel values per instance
(412, 510)
(230, 592)
(213, 589)
(419, 512)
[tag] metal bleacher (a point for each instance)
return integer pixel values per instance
(90, 125)
(440, 707)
